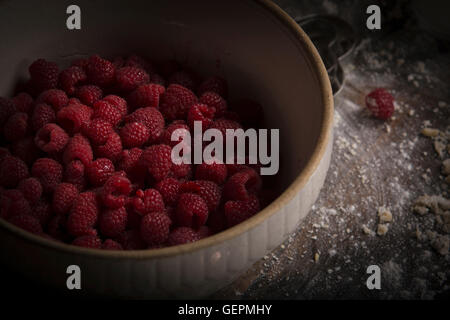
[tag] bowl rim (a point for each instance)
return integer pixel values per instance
(287, 195)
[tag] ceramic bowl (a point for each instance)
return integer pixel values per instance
(262, 53)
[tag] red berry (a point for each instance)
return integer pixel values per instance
(7, 109)
(216, 172)
(169, 188)
(113, 221)
(223, 124)
(48, 172)
(13, 202)
(98, 131)
(44, 74)
(147, 201)
(146, 95)
(151, 118)
(26, 150)
(83, 215)
(16, 127)
(118, 103)
(89, 94)
(380, 103)
(31, 189)
(238, 211)
(214, 84)
(12, 170)
(27, 222)
(42, 114)
(242, 184)
(181, 171)
(78, 148)
(157, 159)
(99, 171)
(55, 98)
(74, 117)
(74, 173)
(201, 113)
(214, 100)
(182, 235)
(115, 191)
(176, 102)
(134, 134)
(208, 190)
(63, 197)
(109, 244)
(51, 138)
(42, 212)
(23, 102)
(166, 136)
(108, 112)
(70, 78)
(155, 228)
(129, 78)
(111, 149)
(192, 210)
(89, 241)
(100, 72)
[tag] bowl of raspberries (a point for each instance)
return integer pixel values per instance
(87, 176)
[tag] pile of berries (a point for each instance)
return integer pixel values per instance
(86, 155)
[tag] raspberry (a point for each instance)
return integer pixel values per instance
(181, 171)
(134, 134)
(129, 159)
(31, 189)
(89, 94)
(201, 113)
(192, 210)
(208, 190)
(51, 138)
(182, 235)
(215, 84)
(215, 172)
(74, 117)
(131, 240)
(155, 228)
(169, 189)
(117, 102)
(16, 127)
(166, 136)
(98, 131)
(109, 244)
(70, 78)
(106, 111)
(12, 170)
(27, 222)
(83, 215)
(157, 159)
(82, 63)
(44, 74)
(238, 211)
(115, 191)
(242, 184)
(89, 241)
(113, 221)
(48, 172)
(151, 118)
(74, 173)
(148, 201)
(26, 150)
(55, 98)
(78, 148)
(139, 62)
(213, 100)
(42, 115)
(111, 149)
(129, 78)
(183, 78)
(13, 202)
(63, 197)
(7, 108)
(380, 103)
(176, 101)
(223, 124)
(42, 212)
(99, 171)
(100, 72)
(146, 95)
(23, 102)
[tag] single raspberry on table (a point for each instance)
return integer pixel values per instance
(27, 222)
(200, 113)
(98, 131)
(16, 127)
(31, 189)
(100, 71)
(111, 149)
(169, 188)
(214, 84)
(12, 171)
(240, 210)
(183, 78)
(147, 201)
(44, 74)
(115, 191)
(113, 221)
(207, 190)
(99, 171)
(7, 109)
(117, 102)
(176, 101)
(26, 150)
(49, 173)
(88, 241)
(55, 98)
(129, 78)
(110, 244)
(182, 235)
(134, 134)
(131, 240)
(42, 211)
(192, 210)
(242, 185)
(151, 118)
(51, 138)
(23, 102)
(78, 148)
(155, 228)
(214, 100)
(214, 171)
(88, 94)
(83, 215)
(380, 103)
(106, 111)
(146, 95)
(74, 117)
(158, 161)
(63, 197)
(70, 78)
(42, 114)
(74, 173)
